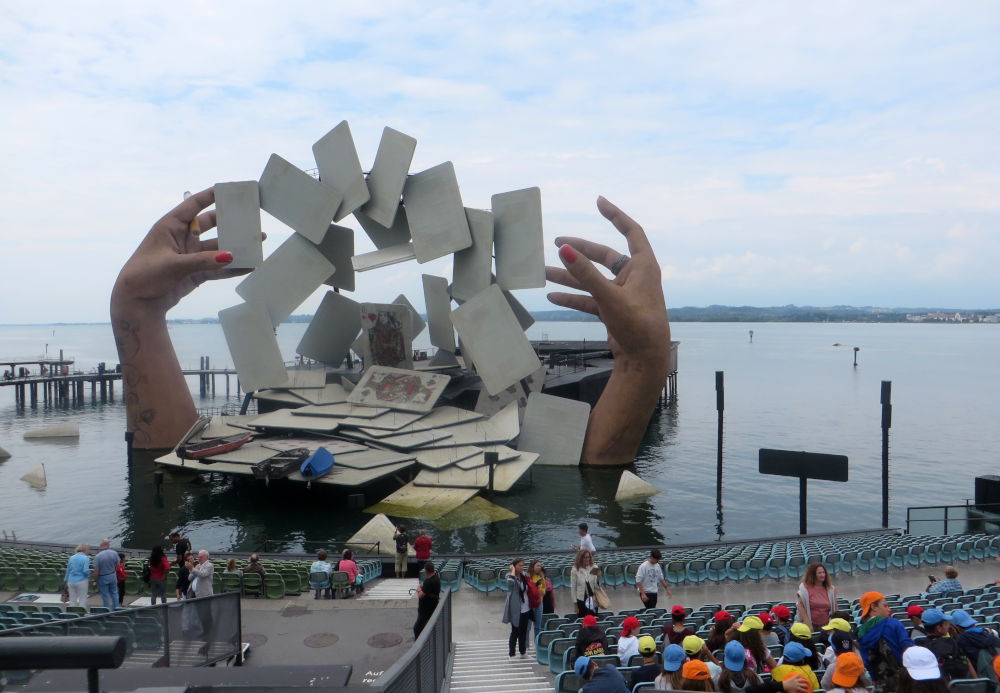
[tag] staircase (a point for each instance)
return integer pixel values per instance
(483, 665)
(390, 588)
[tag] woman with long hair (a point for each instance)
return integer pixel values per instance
(816, 597)
(671, 679)
(536, 576)
(516, 611)
(583, 582)
(159, 566)
(717, 639)
(696, 676)
(748, 634)
(736, 675)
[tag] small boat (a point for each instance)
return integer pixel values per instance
(213, 446)
(318, 464)
(281, 465)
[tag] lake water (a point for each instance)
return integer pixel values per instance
(791, 388)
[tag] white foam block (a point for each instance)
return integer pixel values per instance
(382, 237)
(554, 427)
(253, 346)
(286, 278)
(631, 486)
(473, 266)
(296, 199)
(336, 323)
(438, 303)
(383, 257)
(517, 237)
(237, 209)
(491, 335)
(416, 322)
(337, 247)
(387, 176)
(434, 210)
(339, 167)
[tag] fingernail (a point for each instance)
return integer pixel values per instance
(224, 258)
(568, 254)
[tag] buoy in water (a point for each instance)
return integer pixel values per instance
(36, 477)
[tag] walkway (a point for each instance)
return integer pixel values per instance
(483, 665)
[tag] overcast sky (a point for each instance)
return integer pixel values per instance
(776, 152)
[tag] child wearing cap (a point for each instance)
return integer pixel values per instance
(840, 643)
(848, 676)
(915, 613)
(736, 676)
(978, 643)
(768, 635)
(951, 657)
(920, 673)
(590, 639)
(675, 632)
(717, 638)
(748, 634)
(673, 659)
(782, 618)
(694, 648)
(795, 661)
(650, 668)
(882, 640)
(803, 636)
(696, 676)
(599, 679)
(628, 641)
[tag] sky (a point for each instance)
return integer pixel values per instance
(776, 152)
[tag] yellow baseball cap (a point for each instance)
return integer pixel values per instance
(801, 631)
(647, 645)
(751, 623)
(838, 624)
(692, 644)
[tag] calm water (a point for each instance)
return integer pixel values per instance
(789, 389)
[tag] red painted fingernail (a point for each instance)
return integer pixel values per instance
(568, 254)
(224, 258)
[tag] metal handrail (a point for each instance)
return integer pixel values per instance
(431, 649)
(945, 515)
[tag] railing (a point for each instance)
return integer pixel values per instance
(278, 546)
(192, 632)
(971, 518)
(424, 666)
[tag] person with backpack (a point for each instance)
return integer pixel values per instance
(979, 644)
(951, 658)
(782, 623)
(402, 549)
(883, 640)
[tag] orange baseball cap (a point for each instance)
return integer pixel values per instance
(695, 669)
(867, 599)
(849, 669)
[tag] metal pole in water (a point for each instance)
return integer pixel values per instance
(720, 406)
(886, 400)
(856, 350)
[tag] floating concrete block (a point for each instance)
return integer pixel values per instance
(335, 325)
(253, 346)
(339, 167)
(382, 237)
(66, 430)
(388, 175)
(237, 209)
(474, 512)
(287, 278)
(630, 486)
(4, 455)
(517, 237)
(296, 199)
(36, 477)
(554, 427)
(438, 304)
(422, 502)
(473, 266)
(383, 257)
(378, 530)
(492, 336)
(337, 247)
(435, 213)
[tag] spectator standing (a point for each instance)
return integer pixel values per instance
(183, 585)
(255, 566)
(673, 659)
(648, 579)
(949, 584)
(105, 575)
(591, 639)
(422, 546)
(920, 673)
(77, 574)
(182, 547)
(650, 668)
(816, 597)
(349, 566)
(203, 573)
(121, 576)
(586, 541)
(321, 565)
(736, 676)
(536, 576)
(883, 640)
(599, 679)
(628, 641)
(516, 610)
(583, 582)
(402, 547)
(159, 566)
(428, 596)
(675, 631)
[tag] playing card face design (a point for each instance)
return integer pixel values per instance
(388, 335)
(399, 389)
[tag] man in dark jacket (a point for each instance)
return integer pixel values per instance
(598, 679)
(979, 645)
(428, 596)
(882, 639)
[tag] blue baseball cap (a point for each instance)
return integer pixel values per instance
(581, 666)
(932, 617)
(736, 656)
(674, 658)
(962, 619)
(795, 652)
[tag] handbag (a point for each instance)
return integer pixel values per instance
(601, 597)
(589, 602)
(65, 593)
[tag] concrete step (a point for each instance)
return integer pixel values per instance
(483, 665)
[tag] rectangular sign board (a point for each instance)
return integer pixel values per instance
(809, 465)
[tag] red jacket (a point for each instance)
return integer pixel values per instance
(422, 546)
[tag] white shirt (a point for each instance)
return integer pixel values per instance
(587, 544)
(627, 646)
(648, 577)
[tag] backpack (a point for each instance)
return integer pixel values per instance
(400, 543)
(145, 573)
(950, 657)
(884, 667)
(984, 663)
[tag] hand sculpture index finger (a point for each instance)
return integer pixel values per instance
(187, 211)
(626, 225)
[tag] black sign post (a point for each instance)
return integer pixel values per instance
(805, 466)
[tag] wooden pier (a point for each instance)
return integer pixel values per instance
(52, 381)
